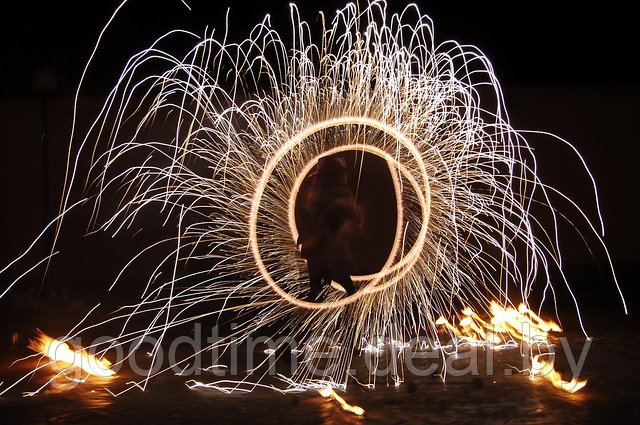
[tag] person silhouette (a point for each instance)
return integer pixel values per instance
(334, 217)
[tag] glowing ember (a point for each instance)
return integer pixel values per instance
(329, 392)
(544, 368)
(59, 351)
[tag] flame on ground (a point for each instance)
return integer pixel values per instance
(544, 368)
(329, 392)
(508, 325)
(60, 352)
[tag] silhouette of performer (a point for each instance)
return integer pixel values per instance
(334, 218)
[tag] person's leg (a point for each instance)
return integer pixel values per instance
(315, 282)
(344, 279)
(341, 274)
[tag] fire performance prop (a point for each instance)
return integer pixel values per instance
(250, 121)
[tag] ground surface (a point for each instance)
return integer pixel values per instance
(611, 396)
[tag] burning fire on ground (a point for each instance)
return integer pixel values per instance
(509, 327)
(545, 369)
(328, 392)
(59, 351)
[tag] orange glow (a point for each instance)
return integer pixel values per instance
(544, 368)
(506, 324)
(510, 325)
(329, 392)
(60, 352)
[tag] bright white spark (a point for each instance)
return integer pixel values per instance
(224, 136)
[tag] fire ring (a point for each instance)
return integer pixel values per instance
(399, 269)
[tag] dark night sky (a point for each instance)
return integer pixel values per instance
(569, 69)
(581, 58)
(549, 43)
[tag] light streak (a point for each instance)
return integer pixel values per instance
(506, 323)
(398, 194)
(422, 191)
(59, 351)
(511, 328)
(221, 139)
(544, 368)
(328, 392)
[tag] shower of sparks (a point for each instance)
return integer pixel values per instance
(59, 351)
(213, 143)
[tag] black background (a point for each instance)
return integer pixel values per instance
(542, 43)
(567, 69)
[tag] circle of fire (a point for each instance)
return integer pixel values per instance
(222, 138)
(403, 265)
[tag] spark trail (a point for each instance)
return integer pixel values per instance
(217, 140)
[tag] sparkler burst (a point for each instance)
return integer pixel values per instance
(218, 141)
